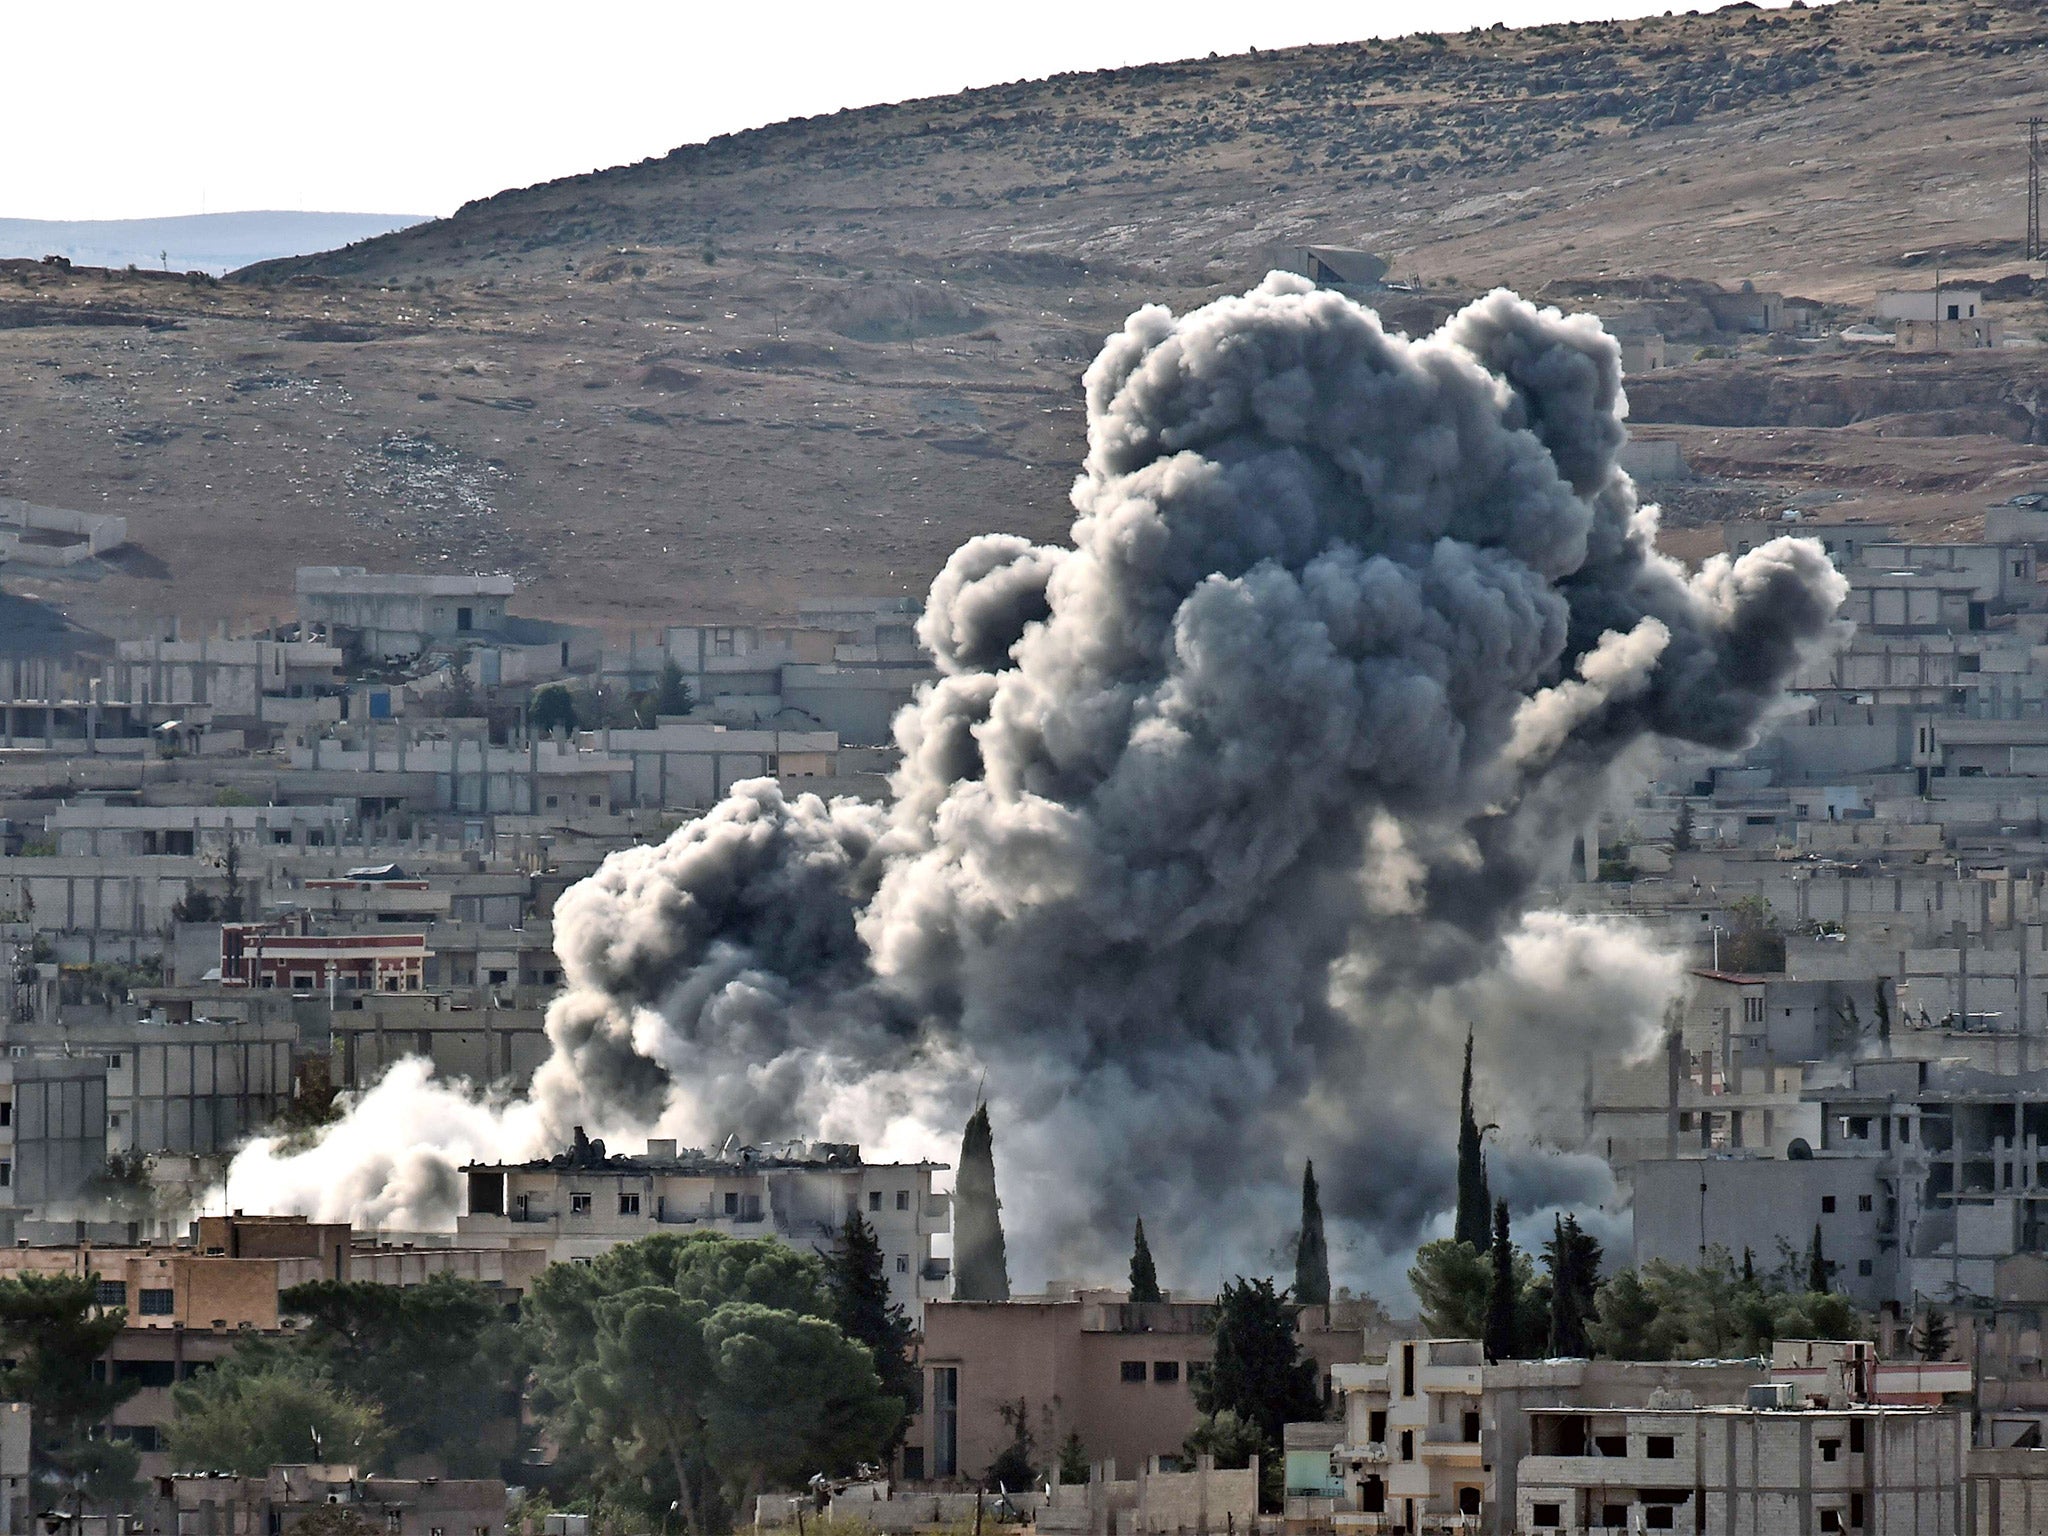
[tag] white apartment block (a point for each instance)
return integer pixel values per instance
(1432, 1434)
(1764, 1469)
(583, 1202)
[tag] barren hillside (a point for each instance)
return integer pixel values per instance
(814, 357)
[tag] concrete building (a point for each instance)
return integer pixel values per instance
(394, 616)
(287, 956)
(1930, 304)
(191, 1087)
(53, 1131)
(1086, 1362)
(274, 1504)
(372, 1032)
(584, 1202)
(17, 1506)
(1433, 1434)
(1753, 1470)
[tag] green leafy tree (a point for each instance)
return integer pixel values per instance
(1073, 1461)
(1013, 1467)
(672, 695)
(1231, 1439)
(1475, 1207)
(1756, 942)
(1451, 1281)
(553, 709)
(1683, 836)
(1674, 1312)
(52, 1335)
(1819, 1272)
(441, 1362)
(1144, 1275)
(656, 1364)
(1572, 1261)
(1312, 1253)
(981, 1268)
(788, 1396)
(1933, 1339)
(1258, 1372)
(1503, 1333)
(1626, 1320)
(858, 1285)
(256, 1410)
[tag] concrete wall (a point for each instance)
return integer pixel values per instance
(1686, 1208)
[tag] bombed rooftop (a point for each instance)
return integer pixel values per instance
(664, 1156)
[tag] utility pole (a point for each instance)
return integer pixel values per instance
(2034, 247)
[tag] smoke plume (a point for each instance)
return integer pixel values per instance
(1219, 824)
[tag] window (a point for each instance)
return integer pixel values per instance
(902, 1199)
(1164, 1371)
(144, 1437)
(1863, 1202)
(110, 1293)
(913, 1463)
(1955, 311)
(6, 1173)
(465, 619)
(1376, 1421)
(874, 1199)
(1661, 1448)
(1611, 1445)
(1657, 1517)
(732, 1205)
(1468, 1500)
(1407, 1370)
(499, 978)
(1544, 1515)
(1407, 1445)
(553, 801)
(1831, 1519)
(1856, 1431)
(156, 1301)
(902, 1263)
(1827, 1205)
(1133, 1370)
(1752, 1010)
(579, 1205)
(1471, 1426)
(6, 1111)
(1863, 1266)
(1830, 1449)
(114, 1060)
(629, 1205)
(1614, 1516)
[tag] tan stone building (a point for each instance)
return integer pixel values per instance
(1091, 1363)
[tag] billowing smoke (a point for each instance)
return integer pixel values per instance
(1219, 825)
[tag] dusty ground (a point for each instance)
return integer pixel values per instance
(812, 359)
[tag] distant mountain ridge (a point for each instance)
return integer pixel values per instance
(204, 242)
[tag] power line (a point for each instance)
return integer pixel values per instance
(2034, 247)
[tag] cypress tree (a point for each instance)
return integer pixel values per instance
(1474, 1206)
(1817, 1265)
(1144, 1277)
(981, 1268)
(1573, 1260)
(1500, 1302)
(1312, 1256)
(859, 1288)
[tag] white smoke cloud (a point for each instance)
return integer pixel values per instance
(1219, 825)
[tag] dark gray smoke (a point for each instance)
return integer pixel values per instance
(1223, 819)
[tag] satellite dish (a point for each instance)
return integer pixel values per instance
(1798, 1151)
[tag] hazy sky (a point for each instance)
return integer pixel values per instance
(127, 110)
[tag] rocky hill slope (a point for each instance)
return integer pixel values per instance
(812, 358)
